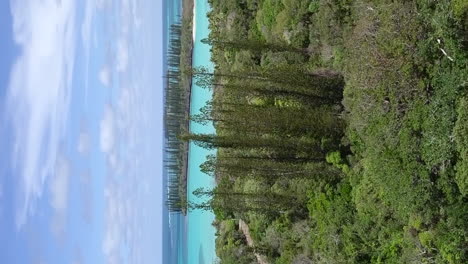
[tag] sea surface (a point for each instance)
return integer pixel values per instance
(191, 239)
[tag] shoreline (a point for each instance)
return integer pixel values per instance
(194, 21)
(188, 24)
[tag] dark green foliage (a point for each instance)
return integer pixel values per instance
(176, 112)
(391, 188)
(174, 121)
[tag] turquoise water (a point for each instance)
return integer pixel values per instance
(200, 232)
(191, 238)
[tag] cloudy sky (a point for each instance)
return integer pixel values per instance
(80, 126)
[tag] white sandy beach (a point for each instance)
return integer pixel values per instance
(194, 21)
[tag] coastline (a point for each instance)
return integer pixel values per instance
(201, 234)
(194, 20)
(188, 25)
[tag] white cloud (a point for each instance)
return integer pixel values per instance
(127, 140)
(89, 35)
(115, 224)
(107, 132)
(84, 142)
(86, 24)
(122, 55)
(58, 188)
(38, 95)
(59, 184)
(123, 205)
(105, 76)
(136, 18)
(125, 17)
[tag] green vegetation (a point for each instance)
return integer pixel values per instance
(174, 116)
(231, 245)
(342, 130)
(177, 108)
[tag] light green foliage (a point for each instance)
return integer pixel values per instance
(287, 102)
(335, 159)
(282, 27)
(461, 137)
(266, 16)
(401, 125)
(230, 245)
(258, 225)
(427, 239)
(332, 215)
(395, 188)
(460, 8)
(314, 6)
(415, 221)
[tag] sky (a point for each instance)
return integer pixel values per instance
(80, 131)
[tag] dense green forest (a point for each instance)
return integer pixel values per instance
(174, 116)
(177, 107)
(341, 130)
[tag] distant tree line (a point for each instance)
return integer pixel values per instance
(175, 120)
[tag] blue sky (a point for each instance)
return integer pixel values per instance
(81, 131)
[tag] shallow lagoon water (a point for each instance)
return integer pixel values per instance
(200, 232)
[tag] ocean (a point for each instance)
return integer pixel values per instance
(191, 239)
